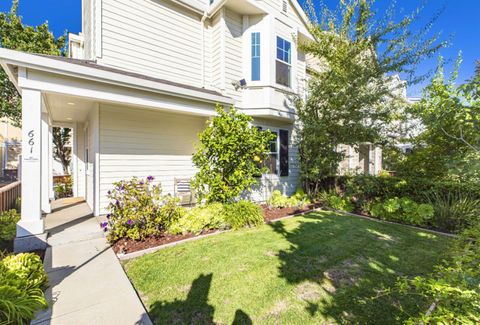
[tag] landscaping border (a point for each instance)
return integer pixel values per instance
(128, 256)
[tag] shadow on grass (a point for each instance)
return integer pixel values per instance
(339, 264)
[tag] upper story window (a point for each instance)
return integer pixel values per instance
(283, 62)
(255, 56)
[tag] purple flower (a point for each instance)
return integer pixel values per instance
(117, 203)
(105, 229)
(129, 222)
(108, 216)
(104, 224)
(150, 178)
(122, 188)
(141, 183)
(109, 192)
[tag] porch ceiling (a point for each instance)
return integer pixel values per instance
(68, 108)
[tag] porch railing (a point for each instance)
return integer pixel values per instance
(9, 194)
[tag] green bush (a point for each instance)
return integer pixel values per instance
(243, 214)
(278, 200)
(454, 211)
(138, 210)
(450, 295)
(8, 222)
(200, 218)
(22, 279)
(229, 156)
(337, 202)
(402, 210)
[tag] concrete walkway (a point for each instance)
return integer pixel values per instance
(87, 282)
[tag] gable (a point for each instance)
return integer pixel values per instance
(295, 15)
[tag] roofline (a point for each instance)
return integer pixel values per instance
(42, 63)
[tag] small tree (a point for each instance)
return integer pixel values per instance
(229, 156)
(61, 151)
(17, 36)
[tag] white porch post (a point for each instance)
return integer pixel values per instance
(31, 222)
(50, 163)
(45, 190)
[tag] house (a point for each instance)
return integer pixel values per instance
(142, 80)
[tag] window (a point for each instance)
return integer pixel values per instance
(272, 159)
(283, 62)
(255, 56)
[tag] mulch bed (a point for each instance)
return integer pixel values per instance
(125, 246)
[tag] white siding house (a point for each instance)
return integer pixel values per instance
(144, 77)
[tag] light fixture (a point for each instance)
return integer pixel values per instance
(69, 118)
(71, 103)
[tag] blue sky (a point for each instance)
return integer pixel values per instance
(460, 21)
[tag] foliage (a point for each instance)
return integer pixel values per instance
(277, 200)
(138, 210)
(228, 156)
(243, 214)
(403, 210)
(22, 279)
(454, 211)
(452, 292)
(450, 119)
(8, 224)
(61, 151)
(353, 97)
(64, 189)
(337, 202)
(200, 218)
(17, 36)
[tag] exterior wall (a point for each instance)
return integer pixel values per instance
(156, 38)
(270, 182)
(367, 159)
(80, 154)
(137, 142)
(87, 27)
(233, 53)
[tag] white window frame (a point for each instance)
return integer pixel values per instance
(289, 64)
(277, 163)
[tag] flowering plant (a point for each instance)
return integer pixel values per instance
(138, 210)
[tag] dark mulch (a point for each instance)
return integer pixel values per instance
(125, 246)
(271, 214)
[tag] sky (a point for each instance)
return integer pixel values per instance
(459, 23)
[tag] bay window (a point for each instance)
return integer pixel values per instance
(255, 56)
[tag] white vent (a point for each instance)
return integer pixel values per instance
(284, 6)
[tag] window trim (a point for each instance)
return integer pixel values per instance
(278, 144)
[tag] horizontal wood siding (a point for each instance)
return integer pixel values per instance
(233, 52)
(154, 37)
(137, 142)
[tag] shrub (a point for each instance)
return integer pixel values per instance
(402, 210)
(452, 292)
(243, 214)
(22, 278)
(229, 156)
(8, 222)
(200, 218)
(337, 202)
(278, 200)
(454, 211)
(138, 210)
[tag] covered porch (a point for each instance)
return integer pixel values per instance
(78, 94)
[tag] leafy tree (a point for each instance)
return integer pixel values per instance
(353, 94)
(17, 36)
(477, 68)
(229, 156)
(450, 116)
(61, 150)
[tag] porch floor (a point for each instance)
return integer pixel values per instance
(87, 282)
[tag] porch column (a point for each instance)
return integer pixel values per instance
(45, 192)
(50, 163)
(31, 225)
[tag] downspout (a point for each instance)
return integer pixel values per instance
(202, 22)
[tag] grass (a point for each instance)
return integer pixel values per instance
(319, 268)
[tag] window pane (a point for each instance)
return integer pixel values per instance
(255, 69)
(271, 163)
(283, 73)
(255, 56)
(279, 42)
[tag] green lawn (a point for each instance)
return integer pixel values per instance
(320, 268)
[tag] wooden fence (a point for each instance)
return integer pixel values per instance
(9, 194)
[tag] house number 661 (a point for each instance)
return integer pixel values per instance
(31, 142)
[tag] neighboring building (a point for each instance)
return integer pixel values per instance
(144, 78)
(10, 148)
